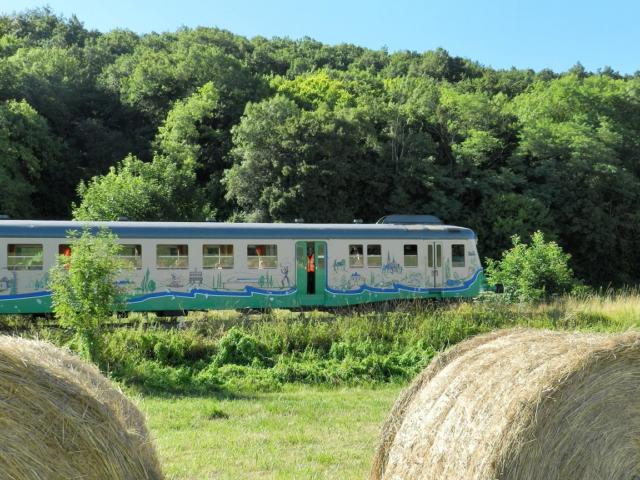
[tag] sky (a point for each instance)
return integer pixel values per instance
(534, 34)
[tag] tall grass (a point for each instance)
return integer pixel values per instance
(220, 351)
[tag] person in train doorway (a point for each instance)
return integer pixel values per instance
(311, 271)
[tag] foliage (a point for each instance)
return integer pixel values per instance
(532, 272)
(84, 291)
(27, 151)
(226, 353)
(201, 122)
(238, 348)
(158, 190)
(196, 135)
(291, 163)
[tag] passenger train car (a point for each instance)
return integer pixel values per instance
(198, 266)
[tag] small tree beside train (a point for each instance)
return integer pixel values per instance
(532, 272)
(85, 290)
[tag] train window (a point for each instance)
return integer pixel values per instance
(374, 256)
(356, 258)
(457, 255)
(411, 255)
(64, 249)
(217, 256)
(24, 256)
(262, 256)
(172, 256)
(430, 256)
(131, 256)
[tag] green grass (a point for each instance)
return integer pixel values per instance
(215, 352)
(335, 379)
(301, 432)
(300, 394)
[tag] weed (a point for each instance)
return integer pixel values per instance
(230, 351)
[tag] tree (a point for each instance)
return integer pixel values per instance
(312, 90)
(197, 132)
(293, 163)
(189, 125)
(503, 215)
(157, 190)
(578, 151)
(84, 290)
(164, 68)
(27, 149)
(42, 27)
(59, 83)
(532, 272)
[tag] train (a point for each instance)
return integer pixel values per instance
(182, 266)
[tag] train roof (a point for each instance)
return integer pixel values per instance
(214, 230)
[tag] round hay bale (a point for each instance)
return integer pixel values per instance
(61, 419)
(520, 404)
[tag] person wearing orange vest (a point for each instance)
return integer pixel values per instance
(66, 251)
(311, 271)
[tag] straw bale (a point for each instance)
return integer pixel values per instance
(520, 404)
(61, 419)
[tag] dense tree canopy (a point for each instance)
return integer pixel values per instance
(158, 190)
(200, 122)
(27, 156)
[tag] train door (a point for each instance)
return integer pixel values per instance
(434, 265)
(311, 270)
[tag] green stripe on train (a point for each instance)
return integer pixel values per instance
(201, 301)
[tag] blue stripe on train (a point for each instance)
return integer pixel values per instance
(249, 291)
(398, 287)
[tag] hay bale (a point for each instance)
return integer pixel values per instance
(520, 404)
(61, 419)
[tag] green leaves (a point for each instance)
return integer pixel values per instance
(293, 163)
(159, 190)
(532, 272)
(188, 126)
(316, 89)
(27, 148)
(84, 289)
(185, 124)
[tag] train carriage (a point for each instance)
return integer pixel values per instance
(199, 266)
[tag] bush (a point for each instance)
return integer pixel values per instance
(532, 272)
(239, 348)
(84, 289)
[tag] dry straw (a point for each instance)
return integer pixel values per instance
(61, 419)
(520, 404)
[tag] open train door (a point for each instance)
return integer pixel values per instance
(435, 272)
(311, 271)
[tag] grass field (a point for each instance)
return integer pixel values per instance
(300, 433)
(299, 394)
(324, 432)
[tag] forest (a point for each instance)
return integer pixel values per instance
(201, 124)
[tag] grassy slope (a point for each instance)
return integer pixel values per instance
(302, 432)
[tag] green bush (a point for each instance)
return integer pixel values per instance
(239, 348)
(532, 272)
(84, 291)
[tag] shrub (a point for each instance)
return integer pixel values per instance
(532, 272)
(239, 348)
(84, 289)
